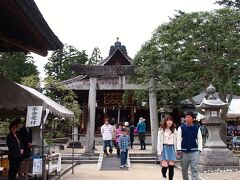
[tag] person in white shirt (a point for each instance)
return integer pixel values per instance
(167, 147)
(107, 134)
(189, 146)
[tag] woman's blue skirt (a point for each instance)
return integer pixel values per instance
(168, 153)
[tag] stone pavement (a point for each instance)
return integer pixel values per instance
(137, 171)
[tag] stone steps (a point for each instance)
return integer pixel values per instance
(80, 159)
(143, 158)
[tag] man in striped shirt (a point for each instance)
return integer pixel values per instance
(124, 142)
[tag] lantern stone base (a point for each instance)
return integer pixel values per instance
(217, 159)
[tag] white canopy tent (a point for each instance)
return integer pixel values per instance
(14, 96)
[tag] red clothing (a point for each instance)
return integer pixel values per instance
(118, 134)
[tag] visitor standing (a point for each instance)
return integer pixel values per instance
(166, 147)
(126, 126)
(118, 134)
(123, 144)
(189, 145)
(106, 131)
(204, 132)
(25, 136)
(113, 133)
(141, 127)
(131, 134)
(15, 150)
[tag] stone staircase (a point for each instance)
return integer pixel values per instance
(93, 159)
(80, 159)
(142, 158)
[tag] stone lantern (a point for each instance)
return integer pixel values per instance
(215, 155)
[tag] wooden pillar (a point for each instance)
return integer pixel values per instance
(91, 115)
(153, 115)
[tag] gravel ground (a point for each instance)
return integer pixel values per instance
(234, 175)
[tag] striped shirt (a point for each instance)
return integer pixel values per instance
(124, 142)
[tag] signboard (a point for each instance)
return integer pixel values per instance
(37, 166)
(34, 116)
(110, 70)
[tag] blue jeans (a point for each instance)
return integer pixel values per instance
(123, 157)
(107, 143)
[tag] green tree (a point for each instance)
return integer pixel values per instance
(191, 51)
(31, 81)
(57, 91)
(59, 63)
(95, 57)
(17, 65)
(230, 3)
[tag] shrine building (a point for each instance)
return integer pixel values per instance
(109, 93)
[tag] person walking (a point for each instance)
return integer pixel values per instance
(124, 142)
(106, 131)
(118, 135)
(15, 149)
(131, 133)
(166, 147)
(141, 127)
(189, 145)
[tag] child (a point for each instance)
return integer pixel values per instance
(124, 142)
(118, 135)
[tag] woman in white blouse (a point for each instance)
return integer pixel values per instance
(167, 143)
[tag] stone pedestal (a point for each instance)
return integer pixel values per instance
(217, 159)
(215, 155)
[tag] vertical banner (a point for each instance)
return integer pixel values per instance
(34, 116)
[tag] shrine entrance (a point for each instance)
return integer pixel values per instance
(100, 90)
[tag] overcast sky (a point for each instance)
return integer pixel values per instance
(86, 24)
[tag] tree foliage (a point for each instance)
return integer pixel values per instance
(31, 81)
(191, 51)
(59, 63)
(57, 91)
(17, 65)
(230, 3)
(95, 57)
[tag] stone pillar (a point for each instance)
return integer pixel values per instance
(153, 115)
(91, 115)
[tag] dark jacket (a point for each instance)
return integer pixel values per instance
(14, 146)
(189, 138)
(25, 137)
(131, 132)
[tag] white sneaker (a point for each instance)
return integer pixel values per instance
(126, 166)
(164, 178)
(121, 166)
